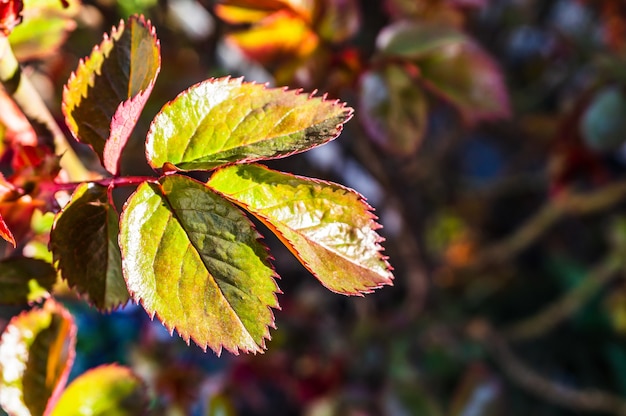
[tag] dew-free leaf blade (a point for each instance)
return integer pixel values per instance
(36, 353)
(84, 243)
(394, 109)
(44, 28)
(5, 233)
(104, 391)
(328, 227)
(469, 78)
(106, 94)
(23, 280)
(411, 40)
(225, 121)
(195, 260)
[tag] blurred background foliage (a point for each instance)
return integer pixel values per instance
(489, 135)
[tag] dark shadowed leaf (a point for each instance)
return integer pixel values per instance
(84, 243)
(329, 228)
(23, 280)
(36, 353)
(393, 109)
(224, 121)
(194, 259)
(104, 97)
(109, 390)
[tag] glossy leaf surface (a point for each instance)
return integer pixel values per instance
(413, 41)
(104, 97)
(84, 243)
(194, 259)
(329, 228)
(36, 353)
(394, 109)
(225, 121)
(109, 390)
(44, 28)
(23, 280)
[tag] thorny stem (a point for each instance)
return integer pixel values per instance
(32, 105)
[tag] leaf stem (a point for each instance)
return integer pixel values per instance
(118, 181)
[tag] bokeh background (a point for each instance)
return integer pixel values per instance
(497, 170)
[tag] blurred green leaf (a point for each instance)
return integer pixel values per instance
(23, 280)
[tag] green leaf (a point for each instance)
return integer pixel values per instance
(105, 96)
(466, 76)
(329, 228)
(23, 280)
(225, 121)
(84, 242)
(44, 28)
(36, 353)
(394, 109)
(194, 259)
(109, 390)
(412, 40)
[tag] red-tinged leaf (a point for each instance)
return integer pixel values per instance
(23, 280)
(412, 41)
(466, 76)
(329, 228)
(36, 353)
(195, 260)
(17, 214)
(6, 233)
(252, 11)
(17, 128)
(393, 109)
(45, 27)
(104, 97)
(10, 15)
(281, 36)
(340, 20)
(225, 121)
(104, 391)
(84, 243)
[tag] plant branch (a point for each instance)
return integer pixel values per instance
(555, 210)
(558, 311)
(589, 400)
(32, 105)
(113, 181)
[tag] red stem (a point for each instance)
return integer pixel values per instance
(114, 181)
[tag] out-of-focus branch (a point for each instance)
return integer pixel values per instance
(556, 312)
(555, 210)
(17, 84)
(588, 400)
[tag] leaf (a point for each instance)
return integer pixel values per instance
(194, 259)
(45, 27)
(469, 78)
(108, 390)
(6, 233)
(329, 228)
(412, 41)
(10, 15)
(603, 123)
(23, 280)
(105, 96)
(252, 11)
(224, 121)
(36, 353)
(84, 243)
(394, 109)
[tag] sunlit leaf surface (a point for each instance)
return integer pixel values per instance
(194, 259)
(224, 121)
(84, 242)
(36, 353)
(109, 390)
(329, 228)
(5, 232)
(45, 26)
(104, 97)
